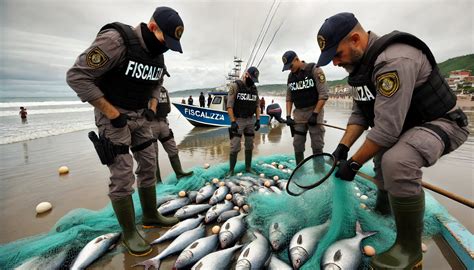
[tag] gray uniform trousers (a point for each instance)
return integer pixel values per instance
(136, 132)
(246, 129)
(398, 168)
(316, 133)
(161, 130)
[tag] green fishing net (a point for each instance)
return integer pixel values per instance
(336, 200)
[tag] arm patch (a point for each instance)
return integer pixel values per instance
(321, 78)
(388, 83)
(96, 58)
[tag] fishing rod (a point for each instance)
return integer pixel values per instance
(270, 43)
(441, 191)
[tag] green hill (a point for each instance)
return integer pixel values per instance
(456, 63)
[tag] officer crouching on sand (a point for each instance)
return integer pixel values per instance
(162, 132)
(308, 91)
(242, 105)
(399, 92)
(120, 74)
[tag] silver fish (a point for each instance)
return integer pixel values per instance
(173, 205)
(197, 250)
(345, 253)
(282, 184)
(231, 231)
(191, 210)
(177, 245)
(279, 233)
(255, 255)
(239, 199)
(39, 263)
(227, 214)
(95, 249)
(233, 187)
(162, 199)
(216, 210)
(205, 193)
(277, 264)
(179, 228)
(219, 195)
(304, 243)
(192, 195)
(216, 260)
(275, 189)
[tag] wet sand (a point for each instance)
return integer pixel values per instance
(28, 173)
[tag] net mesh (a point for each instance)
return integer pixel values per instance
(338, 200)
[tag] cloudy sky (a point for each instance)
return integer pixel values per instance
(40, 39)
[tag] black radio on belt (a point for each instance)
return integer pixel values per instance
(458, 116)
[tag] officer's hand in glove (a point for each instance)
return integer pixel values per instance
(257, 125)
(149, 114)
(120, 121)
(234, 127)
(341, 152)
(313, 119)
(347, 169)
(290, 121)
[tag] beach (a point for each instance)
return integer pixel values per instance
(29, 171)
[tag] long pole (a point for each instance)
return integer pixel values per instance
(429, 186)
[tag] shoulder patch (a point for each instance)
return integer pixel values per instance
(321, 77)
(388, 83)
(96, 58)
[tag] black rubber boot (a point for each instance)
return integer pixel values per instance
(151, 218)
(406, 252)
(176, 164)
(299, 156)
(158, 173)
(382, 205)
(133, 241)
(248, 162)
(232, 162)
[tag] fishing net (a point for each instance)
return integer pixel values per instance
(336, 200)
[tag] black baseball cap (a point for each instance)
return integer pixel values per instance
(253, 72)
(333, 30)
(287, 58)
(171, 25)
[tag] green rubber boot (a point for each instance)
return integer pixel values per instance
(248, 162)
(382, 205)
(232, 162)
(406, 252)
(176, 164)
(299, 156)
(133, 241)
(151, 218)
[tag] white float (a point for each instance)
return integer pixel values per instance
(276, 177)
(216, 229)
(43, 207)
(206, 165)
(63, 170)
(369, 250)
(364, 197)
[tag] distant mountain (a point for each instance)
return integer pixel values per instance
(456, 63)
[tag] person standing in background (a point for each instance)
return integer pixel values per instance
(202, 100)
(190, 100)
(209, 100)
(262, 105)
(23, 113)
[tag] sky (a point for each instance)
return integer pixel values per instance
(40, 39)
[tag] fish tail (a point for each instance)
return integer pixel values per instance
(148, 263)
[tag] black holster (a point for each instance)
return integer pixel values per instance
(232, 134)
(106, 150)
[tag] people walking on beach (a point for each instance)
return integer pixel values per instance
(107, 75)
(202, 100)
(262, 105)
(242, 105)
(308, 91)
(209, 100)
(190, 100)
(163, 134)
(23, 113)
(401, 95)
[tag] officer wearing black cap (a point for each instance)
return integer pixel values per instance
(121, 74)
(399, 92)
(242, 105)
(308, 91)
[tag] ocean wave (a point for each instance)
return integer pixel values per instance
(48, 111)
(27, 104)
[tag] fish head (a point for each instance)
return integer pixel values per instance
(243, 265)
(331, 266)
(184, 258)
(298, 256)
(213, 200)
(226, 238)
(199, 198)
(210, 216)
(276, 236)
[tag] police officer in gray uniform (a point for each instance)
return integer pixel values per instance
(399, 92)
(120, 74)
(162, 133)
(308, 91)
(242, 105)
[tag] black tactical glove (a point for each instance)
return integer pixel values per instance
(313, 119)
(120, 121)
(257, 125)
(347, 169)
(234, 127)
(149, 114)
(290, 121)
(341, 152)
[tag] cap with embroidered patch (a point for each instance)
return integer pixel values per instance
(333, 30)
(287, 59)
(171, 25)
